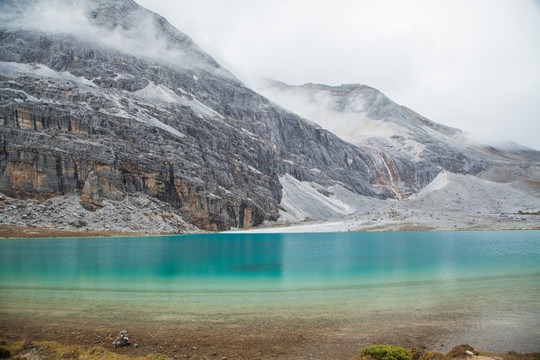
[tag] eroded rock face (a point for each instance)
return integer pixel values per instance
(83, 115)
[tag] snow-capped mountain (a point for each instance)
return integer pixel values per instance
(112, 118)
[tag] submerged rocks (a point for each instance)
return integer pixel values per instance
(121, 340)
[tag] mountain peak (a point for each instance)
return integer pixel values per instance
(120, 24)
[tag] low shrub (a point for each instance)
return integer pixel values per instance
(386, 352)
(157, 357)
(432, 355)
(461, 350)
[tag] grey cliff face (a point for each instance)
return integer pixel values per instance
(104, 118)
(407, 150)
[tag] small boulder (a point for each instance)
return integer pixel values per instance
(121, 340)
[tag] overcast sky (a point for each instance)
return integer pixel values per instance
(471, 64)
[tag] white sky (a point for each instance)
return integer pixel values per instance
(471, 64)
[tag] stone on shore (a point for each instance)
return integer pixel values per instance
(121, 340)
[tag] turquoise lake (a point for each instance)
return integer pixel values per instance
(477, 287)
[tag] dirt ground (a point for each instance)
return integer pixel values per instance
(301, 341)
(198, 341)
(11, 231)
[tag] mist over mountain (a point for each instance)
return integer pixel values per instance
(111, 118)
(365, 117)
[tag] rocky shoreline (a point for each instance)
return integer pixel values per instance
(66, 216)
(140, 215)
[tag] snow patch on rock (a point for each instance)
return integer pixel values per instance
(41, 71)
(150, 120)
(304, 200)
(450, 202)
(438, 183)
(162, 93)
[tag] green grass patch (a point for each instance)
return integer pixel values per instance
(385, 352)
(54, 351)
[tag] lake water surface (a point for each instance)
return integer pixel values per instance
(477, 287)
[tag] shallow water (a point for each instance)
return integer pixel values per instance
(477, 287)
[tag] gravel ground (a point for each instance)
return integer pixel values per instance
(135, 214)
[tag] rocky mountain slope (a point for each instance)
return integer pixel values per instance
(450, 202)
(106, 100)
(110, 118)
(402, 139)
(476, 175)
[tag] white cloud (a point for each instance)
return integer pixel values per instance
(472, 64)
(139, 34)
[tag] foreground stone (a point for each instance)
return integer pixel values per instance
(121, 340)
